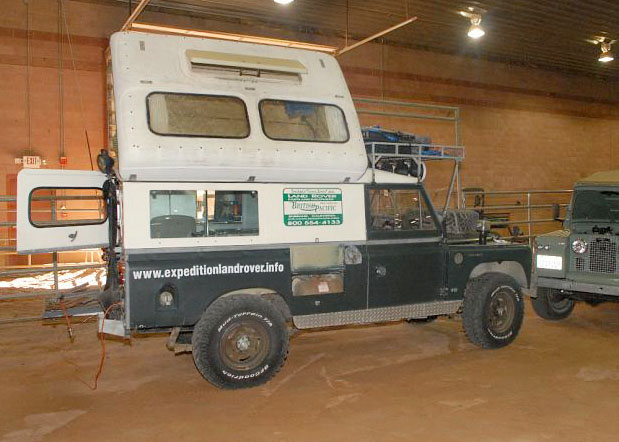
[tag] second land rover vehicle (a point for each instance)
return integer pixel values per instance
(243, 205)
(579, 262)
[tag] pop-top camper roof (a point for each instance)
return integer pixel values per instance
(196, 109)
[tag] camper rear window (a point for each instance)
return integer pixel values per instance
(193, 115)
(199, 213)
(303, 121)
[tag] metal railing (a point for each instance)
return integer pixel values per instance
(49, 262)
(507, 210)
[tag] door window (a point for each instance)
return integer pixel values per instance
(400, 210)
(55, 207)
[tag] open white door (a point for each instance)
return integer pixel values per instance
(60, 210)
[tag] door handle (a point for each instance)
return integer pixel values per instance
(380, 270)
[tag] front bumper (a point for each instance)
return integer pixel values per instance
(575, 286)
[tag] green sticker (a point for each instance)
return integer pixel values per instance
(313, 207)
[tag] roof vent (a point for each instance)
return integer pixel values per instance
(223, 63)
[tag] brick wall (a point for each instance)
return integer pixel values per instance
(523, 128)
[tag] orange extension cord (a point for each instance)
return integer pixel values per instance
(101, 340)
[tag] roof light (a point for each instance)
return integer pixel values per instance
(283, 2)
(476, 31)
(606, 55)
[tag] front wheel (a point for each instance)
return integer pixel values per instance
(550, 304)
(241, 341)
(492, 311)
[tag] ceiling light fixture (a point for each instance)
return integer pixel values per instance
(283, 2)
(476, 31)
(606, 55)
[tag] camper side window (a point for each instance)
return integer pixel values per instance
(193, 115)
(303, 121)
(203, 213)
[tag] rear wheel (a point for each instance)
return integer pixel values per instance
(550, 304)
(493, 310)
(241, 341)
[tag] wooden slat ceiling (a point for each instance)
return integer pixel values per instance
(548, 34)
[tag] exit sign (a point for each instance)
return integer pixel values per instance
(31, 162)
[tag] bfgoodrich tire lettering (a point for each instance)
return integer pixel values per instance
(493, 310)
(241, 341)
(551, 305)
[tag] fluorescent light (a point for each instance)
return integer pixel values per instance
(283, 2)
(476, 31)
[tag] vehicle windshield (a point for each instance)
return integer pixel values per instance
(596, 205)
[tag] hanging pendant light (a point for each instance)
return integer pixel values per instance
(475, 30)
(606, 55)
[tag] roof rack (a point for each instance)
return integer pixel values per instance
(422, 152)
(416, 154)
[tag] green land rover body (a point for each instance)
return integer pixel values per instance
(579, 262)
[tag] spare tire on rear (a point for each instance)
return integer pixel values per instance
(461, 223)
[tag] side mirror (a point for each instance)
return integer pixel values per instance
(556, 212)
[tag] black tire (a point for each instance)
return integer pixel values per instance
(550, 304)
(240, 341)
(493, 310)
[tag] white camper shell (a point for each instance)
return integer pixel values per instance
(191, 111)
(231, 111)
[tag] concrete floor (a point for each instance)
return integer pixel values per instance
(557, 382)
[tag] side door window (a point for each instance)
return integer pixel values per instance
(399, 212)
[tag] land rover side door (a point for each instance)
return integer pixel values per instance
(406, 254)
(60, 210)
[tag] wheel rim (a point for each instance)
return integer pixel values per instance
(244, 345)
(558, 302)
(501, 311)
